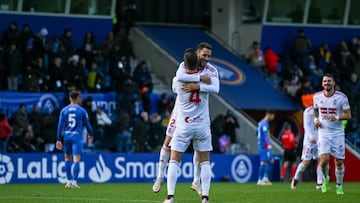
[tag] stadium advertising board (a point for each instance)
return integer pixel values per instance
(114, 167)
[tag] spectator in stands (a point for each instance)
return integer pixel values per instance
(40, 43)
(351, 87)
(13, 62)
(5, 132)
(11, 36)
(323, 57)
(94, 80)
(230, 126)
(301, 50)
(58, 75)
(163, 105)
(140, 134)
(122, 125)
(23, 132)
(28, 53)
(48, 127)
(25, 35)
(66, 40)
(56, 48)
(88, 105)
(102, 123)
(35, 119)
(30, 80)
(304, 90)
(120, 70)
(217, 128)
(76, 72)
(256, 57)
(156, 132)
(88, 49)
(344, 61)
(271, 60)
(106, 47)
(142, 77)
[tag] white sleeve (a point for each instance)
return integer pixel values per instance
(174, 84)
(214, 87)
(183, 77)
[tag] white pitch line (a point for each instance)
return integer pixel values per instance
(77, 198)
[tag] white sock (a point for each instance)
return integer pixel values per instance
(172, 176)
(299, 171)
(197, 170)
(326, 174)
(339, 174)
(319, 175)
(163, 160)
(205, 174)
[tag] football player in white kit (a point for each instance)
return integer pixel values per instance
(204, 78)
(192, 124)
(310, 150)
(330, 108)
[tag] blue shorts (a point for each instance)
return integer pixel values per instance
(74, 147)
(266, 155)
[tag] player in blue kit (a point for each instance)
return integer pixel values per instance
(72, 120)
(264, 147)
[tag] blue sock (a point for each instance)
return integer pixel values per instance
(261, 172)
(268, 170)
(76, 170)
(68, 170)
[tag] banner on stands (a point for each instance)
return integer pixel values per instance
(115, 167)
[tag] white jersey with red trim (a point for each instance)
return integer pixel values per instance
(310, 131)
(192, 108)
(330, 106)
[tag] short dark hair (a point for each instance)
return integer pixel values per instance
(328, 75)
(190, 59)
(74, 94)
(202, 45)
(270, 111)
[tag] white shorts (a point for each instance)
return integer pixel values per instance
(332, 145)
(171, 126)
(201, 140)
(309, 152)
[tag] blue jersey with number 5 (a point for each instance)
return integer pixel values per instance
(73, 118)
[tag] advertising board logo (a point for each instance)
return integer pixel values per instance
(6, 169)
(48, 103)
(241, 169)
(228, 73)
(100, 173)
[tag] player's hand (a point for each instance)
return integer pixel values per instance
(189, 87)
(90, 139)
(313, 140)
(59, 145)
(205, 79)
(317, 124)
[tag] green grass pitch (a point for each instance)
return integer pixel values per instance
(142, 193)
